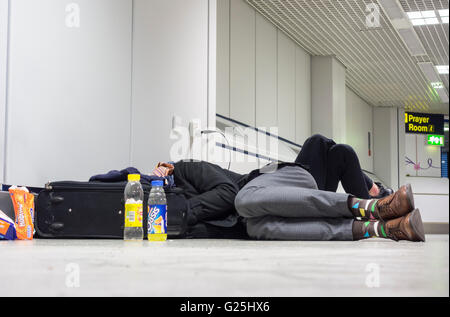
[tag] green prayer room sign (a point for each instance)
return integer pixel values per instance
(424, 123)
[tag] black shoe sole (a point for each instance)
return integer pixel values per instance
(415, 221)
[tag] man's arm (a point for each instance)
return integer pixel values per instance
(217, 191)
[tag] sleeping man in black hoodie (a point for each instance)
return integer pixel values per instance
(295, 201)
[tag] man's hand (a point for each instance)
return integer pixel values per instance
(163, 169)
(374, 191)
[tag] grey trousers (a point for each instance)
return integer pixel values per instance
(287, 205)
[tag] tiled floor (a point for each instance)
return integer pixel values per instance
(225, 268)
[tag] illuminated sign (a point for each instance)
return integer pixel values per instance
(424, 123)
(435, 140)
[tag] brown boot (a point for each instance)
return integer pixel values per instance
(409, 227)
(396, 205)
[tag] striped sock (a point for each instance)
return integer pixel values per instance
(368, 229)
(364, 208)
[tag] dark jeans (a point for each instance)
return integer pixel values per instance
(338, 163)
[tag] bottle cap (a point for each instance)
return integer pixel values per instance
(157, 183)
(134, 177)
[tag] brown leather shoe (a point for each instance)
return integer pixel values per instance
(396, 205)
(409, 227)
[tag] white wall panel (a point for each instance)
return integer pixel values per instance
(3, 71)
(286, 87)
(69, 90)
(223, 57)
(322, 95)
(359, 124)
(385, 160)
(170, 74)
(328, 96)
(242, 67)
(303, 96)
(410, 153)
(212, 67)
(266, 73)
(401, 148)
(339, 102)
(431, 196)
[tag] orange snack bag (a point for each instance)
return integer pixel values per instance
(23, 203)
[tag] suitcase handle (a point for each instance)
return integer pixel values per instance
(56, 227)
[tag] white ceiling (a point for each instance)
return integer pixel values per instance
(380, 68)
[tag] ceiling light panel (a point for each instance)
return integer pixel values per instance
(412, 42)
(424, 17)
(442, 69)
(430, 21)
(418, 22)
(443, 13)
(392, 9)
(428, 14)
(415, 15)
(429, 71)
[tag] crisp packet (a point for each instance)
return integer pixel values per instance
(23, 202)
(7, 230)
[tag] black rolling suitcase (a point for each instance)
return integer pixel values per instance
(96, 210)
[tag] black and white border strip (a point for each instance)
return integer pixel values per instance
(260, 131)
(235, 149)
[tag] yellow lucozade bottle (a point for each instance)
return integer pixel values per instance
(157, 213)
(134, 198)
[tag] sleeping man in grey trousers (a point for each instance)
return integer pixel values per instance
(295, 201)
(298, 201)
(287, 205)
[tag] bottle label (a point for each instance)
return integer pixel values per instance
(157, 219)
(133, 215)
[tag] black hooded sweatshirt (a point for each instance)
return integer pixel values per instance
(211, 190)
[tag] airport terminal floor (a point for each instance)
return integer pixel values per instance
(225, 268)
